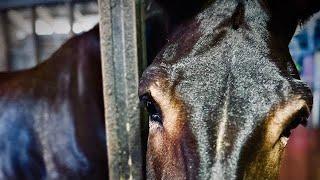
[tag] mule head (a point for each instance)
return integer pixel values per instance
(223, 94)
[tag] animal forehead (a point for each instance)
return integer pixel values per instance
(209, 30)
(208, 56)
(204, 55)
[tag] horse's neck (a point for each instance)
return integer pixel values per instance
(78, 58)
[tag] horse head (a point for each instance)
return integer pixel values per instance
(223, 93)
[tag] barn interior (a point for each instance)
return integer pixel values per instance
(31, 30)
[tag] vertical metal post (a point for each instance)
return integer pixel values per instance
(4, 42)
(70, 6)
(35, 36)
(142, 49)
(120, 82)
(142, 62)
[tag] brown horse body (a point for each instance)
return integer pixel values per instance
(51, 116)
(224, 93)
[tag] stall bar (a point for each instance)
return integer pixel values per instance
(119, 52)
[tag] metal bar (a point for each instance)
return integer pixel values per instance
(142, 65)
(9, 4)
(142, 49)
(36, 45)
(4, 42)
(70, 6)
(120, 82)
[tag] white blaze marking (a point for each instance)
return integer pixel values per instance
(218, 166)
(222, 128)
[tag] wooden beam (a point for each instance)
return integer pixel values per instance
(119, 54)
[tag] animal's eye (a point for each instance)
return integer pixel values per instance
(293, 124)
(152, 108)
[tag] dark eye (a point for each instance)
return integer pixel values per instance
(293, 124)
(152, 108)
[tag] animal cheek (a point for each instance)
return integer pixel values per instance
(165, 160)
(163, 143)
(155, 161)
(266, 164)
(156, 142)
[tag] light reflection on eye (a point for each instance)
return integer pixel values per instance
(152, 108)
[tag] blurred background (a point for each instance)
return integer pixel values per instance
(302, 156)
(31, 30)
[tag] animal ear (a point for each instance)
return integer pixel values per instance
(180, 10)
